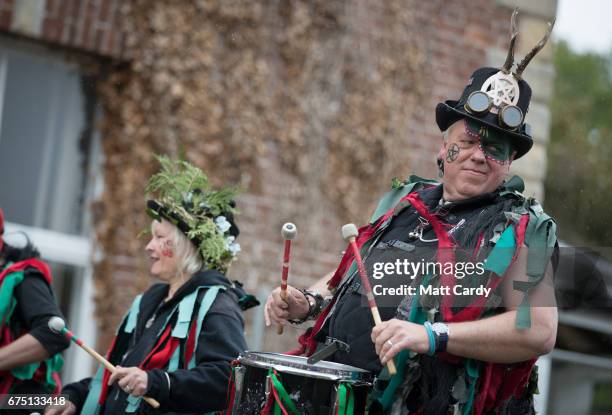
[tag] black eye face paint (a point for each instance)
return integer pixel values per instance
(496, 146)
(452, 153)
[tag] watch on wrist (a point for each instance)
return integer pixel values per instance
(441, 332)
(315, 302)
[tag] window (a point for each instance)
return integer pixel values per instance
(48, 166)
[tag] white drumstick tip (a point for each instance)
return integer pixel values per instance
(289, 231)
(56, 324)
(349, 231)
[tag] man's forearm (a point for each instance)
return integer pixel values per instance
(496, 339)
(22, 351)
(321, 285)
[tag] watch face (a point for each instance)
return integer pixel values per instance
(440, 328)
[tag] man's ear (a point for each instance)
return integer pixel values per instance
(442, 151)
(440, 159)
(440, 164)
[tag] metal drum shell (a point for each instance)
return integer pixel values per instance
(313, 388)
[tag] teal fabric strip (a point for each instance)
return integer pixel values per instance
(472, 371)
(132, 317)
(540, 237)
(91, 406)
(418, 316)
(396, 381)
(207, 302)
(173, 363)
(26, 371)
(133, 404)
(185, 310)
(7, 300)
(500, 257)
(54, 364)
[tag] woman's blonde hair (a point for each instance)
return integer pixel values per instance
(189, 260)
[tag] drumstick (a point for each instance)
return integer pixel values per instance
(349, 232)
(57, 325)
(289, 231)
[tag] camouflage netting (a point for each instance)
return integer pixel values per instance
(331, 86)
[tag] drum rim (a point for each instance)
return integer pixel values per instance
(344, 373)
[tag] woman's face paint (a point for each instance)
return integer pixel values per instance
(161, 253)
(167, 251)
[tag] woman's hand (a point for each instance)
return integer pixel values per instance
(66, 409)
(132, 380)
(278, 311)
(392, 336)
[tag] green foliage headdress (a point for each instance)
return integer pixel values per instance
(182, 194)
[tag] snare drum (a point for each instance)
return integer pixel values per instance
(263, 380)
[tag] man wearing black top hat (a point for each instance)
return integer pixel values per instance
(463, 342)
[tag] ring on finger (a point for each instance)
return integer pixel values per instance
(390, 342)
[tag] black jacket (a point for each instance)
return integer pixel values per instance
(35, 305)
(197, 390)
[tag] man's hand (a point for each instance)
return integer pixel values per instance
(278, 311)
(132, 380)
(66, 409)
(392, 336)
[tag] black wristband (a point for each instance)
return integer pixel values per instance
(314, 308)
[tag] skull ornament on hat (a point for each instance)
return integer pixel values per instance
(497, 98)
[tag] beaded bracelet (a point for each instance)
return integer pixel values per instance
(431, 337)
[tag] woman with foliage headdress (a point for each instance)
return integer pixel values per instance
(177, 341)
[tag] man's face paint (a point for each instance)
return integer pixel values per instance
(452, 153)
(494, 144)
(473, 172)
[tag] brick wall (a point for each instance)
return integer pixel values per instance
(86, 25)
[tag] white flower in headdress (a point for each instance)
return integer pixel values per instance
(234, 248)
(222, 224)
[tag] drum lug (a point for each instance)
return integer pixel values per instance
(267, 390)
(336, 399)
(238, 382)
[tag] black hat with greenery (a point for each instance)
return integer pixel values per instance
(182, 194)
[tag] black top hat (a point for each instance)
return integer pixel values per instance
(450, 111)
(505, 89)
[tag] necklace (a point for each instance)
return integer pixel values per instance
(150, 321)
(417, 232)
